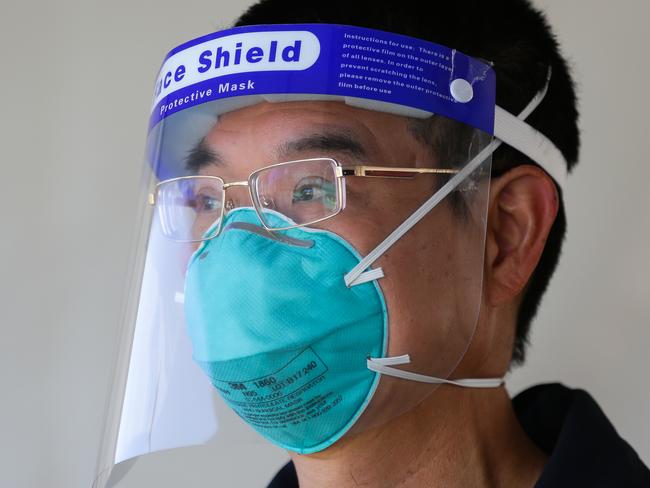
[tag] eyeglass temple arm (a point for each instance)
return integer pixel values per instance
(392, 172)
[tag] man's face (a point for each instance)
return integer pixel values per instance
(432, 274)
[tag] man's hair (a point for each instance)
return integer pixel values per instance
(512, 35)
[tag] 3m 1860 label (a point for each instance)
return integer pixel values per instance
(286, 397)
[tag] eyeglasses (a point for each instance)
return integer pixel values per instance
(305, 191)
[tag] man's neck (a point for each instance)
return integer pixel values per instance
(456, 437)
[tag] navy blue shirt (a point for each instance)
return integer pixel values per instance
(583, 448)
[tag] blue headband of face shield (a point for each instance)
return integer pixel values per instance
(365, 68)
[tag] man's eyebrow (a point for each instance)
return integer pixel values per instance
(335, 141)
(201, 156)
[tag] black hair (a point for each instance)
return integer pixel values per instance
(512, 35)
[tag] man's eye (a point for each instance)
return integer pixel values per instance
(315, 189)
(206, 203)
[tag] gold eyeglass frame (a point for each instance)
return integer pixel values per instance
(340, 173)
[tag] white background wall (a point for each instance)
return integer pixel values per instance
(76, 80)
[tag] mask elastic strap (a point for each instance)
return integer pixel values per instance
(384, 366)
(509, 129)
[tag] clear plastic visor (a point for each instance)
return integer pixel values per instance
(251, 180)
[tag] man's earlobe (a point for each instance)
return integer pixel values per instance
(523, 205)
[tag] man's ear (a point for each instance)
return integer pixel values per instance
(523, 205)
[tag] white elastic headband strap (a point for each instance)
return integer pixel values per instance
(525, 139)
(509, 129)
(518, 134)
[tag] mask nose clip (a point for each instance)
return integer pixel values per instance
(261, 231)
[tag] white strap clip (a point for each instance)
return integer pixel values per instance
(366, 276)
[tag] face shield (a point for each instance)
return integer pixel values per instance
(311, 258)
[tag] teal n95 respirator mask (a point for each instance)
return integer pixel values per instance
(290, 353)
(312, 241)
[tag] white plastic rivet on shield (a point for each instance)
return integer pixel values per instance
(461, 90)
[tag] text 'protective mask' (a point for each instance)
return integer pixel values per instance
(283, 181)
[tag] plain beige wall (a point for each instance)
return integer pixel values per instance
(76, 81)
